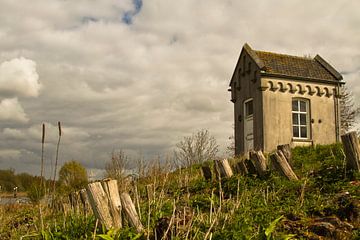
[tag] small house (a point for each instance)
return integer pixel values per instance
(283, 99)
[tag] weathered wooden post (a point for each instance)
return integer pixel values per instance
(241, 168)
(259, 161)
(100, 204)
(85, 201)
(352, 151)
(286, 150)
(206, 171)
(224, 168)
(130, 211)
(112, 191)
(280, 163)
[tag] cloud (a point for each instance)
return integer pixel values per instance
(10, 133)
(143, 86)
(19, 77)
(11, 110)
(128, 15)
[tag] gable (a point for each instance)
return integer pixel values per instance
(287, 66)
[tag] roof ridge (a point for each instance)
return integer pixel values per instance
(284, 54)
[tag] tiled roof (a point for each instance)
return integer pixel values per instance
(287, 65)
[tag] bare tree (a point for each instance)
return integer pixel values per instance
(197, 148)
(116, 167)
(348, 111)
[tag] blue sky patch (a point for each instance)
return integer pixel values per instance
(128, 15)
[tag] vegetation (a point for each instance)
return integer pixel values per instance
(348, 110)
(72, 176)
(240, 207)
(197, 148)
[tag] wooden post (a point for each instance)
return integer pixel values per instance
(129, 209)
(112, 191)
(352, 151)
(286, 150)
(280, 163)
(224, 168)
(99, 203)
(259, 161)
(206, 171)
(85, 201)
(241, 168)
(250, 166)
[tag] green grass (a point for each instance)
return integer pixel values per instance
(240, 207)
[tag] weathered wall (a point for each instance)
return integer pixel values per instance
(246, 84)
(277, 106)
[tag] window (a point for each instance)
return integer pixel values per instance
(249, 110)
(300, 119)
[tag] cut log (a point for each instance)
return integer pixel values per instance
(206, 171)
(224, 168)
(286, 150)
(259, 161)
(130, 212)
(100, 204)
(279, 161)
(352, 151)
(112, 191)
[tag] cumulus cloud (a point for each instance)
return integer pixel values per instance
(139, 75)
(19, 77)
(11, 110)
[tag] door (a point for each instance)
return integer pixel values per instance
(248, 125)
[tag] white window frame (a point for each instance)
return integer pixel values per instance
(297, 114)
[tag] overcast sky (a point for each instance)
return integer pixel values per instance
(139, 75)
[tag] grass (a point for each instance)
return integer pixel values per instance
(185, 206)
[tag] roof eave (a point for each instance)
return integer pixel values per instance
(276, 75)
(328, 67)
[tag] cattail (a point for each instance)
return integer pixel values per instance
(42, 152)
(59, 125)
(57, 156)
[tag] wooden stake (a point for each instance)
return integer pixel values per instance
(352, 151)
(206, 171)
(279, 161)
(224, 168)
(286, 150)
(100, 204)
(259, 161)
(112, 191)
(241, 168)
(130, 211)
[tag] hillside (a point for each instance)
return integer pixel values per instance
(323, 204)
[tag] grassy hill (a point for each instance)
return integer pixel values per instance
(323, 204)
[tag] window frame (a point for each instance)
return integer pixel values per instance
(298, 114)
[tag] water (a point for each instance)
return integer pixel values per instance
(11, 200)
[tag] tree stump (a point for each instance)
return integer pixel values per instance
(352, 151)
(280, 163)
(259, 161)
(129, 209)
(112, 191)
(286, 150)
(206, 171)
(100, 204)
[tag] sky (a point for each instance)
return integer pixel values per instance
(139, 75)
